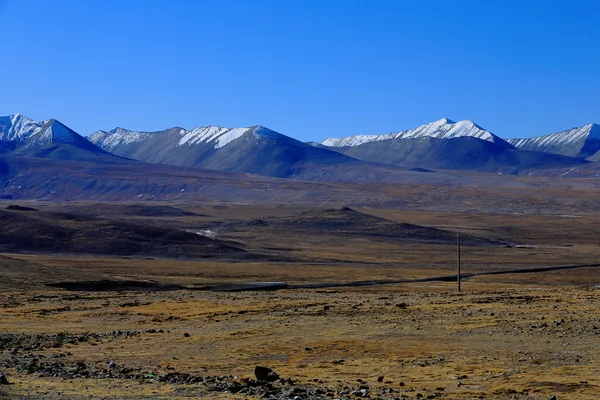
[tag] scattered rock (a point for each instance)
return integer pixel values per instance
(380, 379)
(3, 380)
(186, 335)
(265, 374)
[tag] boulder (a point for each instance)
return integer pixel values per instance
(265, 374)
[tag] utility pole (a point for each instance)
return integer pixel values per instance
(458, 262)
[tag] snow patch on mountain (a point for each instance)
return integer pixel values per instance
(560, 138)
(229, 136)
(205, 134)
(352, 140)
(442, 129)
(201, 134)
(117, 137)
(218, 135)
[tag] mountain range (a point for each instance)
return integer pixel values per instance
(443, 144)
(580, 142)
(256, 150)
(441, 129)
(396, 157)
(446, 144)
(48, 161)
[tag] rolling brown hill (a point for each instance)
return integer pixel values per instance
(59, 232)
(349, 223)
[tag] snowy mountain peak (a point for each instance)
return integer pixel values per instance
(23, 132)
(441, 129)
(583, 141)
(17, 117)
(263, 131)
(20, 119)
(18, 128)
(443, 121)
(118, 129)
(116, 137)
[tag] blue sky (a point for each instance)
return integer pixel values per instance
(308, 69)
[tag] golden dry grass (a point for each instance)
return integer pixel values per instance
(521, 341)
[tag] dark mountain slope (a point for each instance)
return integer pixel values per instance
(265, 152)
(461, 153)
(595, 157)
(67, 173)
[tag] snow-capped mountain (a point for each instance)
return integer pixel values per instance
(445, 144)
(459, 153)
(18, 128)
(174, 146)
(120, 138)
(581, 142)
(19, 132)
(52, 131)
(441, 129)
(442, 144)
(257, 150)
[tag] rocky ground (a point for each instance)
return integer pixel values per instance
(397, 342)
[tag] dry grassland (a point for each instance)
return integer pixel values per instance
(491, 341)
(513, 336)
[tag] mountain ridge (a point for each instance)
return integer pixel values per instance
(255, 149)
(458, 153)
(442, 129)
(19, 132)
(583, 142)
(442, 144)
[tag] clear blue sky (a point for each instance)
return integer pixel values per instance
(308, 69)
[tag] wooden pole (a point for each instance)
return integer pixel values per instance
(458, 262)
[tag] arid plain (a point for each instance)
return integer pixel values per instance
(369, 309)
